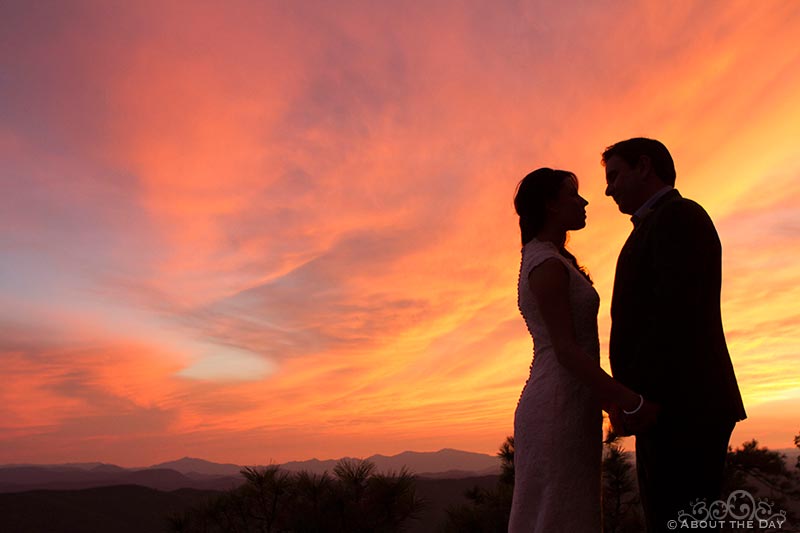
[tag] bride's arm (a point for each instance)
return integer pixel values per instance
(549, 283)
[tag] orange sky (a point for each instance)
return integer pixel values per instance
(275, 231)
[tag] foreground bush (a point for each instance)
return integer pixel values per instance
(353, 499)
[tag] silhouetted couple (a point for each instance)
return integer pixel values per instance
(673, 387)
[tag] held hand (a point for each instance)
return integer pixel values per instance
(641, 420)
(618, 421)
(624, 424)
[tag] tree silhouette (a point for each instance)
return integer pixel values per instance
(265, 490)
(621, 506)
(756, 469)
(353, 477)
(392, 497)
(752, 462)
(487, 511)
(314, 507)
(354, 500)
(797, 445)
(765, 475)
(506, 455)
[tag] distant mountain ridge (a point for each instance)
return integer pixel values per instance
(200, 474)
(192, 465)
(25, 478)
(446, 460)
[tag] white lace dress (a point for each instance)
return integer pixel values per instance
(558, 422)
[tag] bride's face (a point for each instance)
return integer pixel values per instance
(569, 208)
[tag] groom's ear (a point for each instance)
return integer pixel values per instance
(644, 166)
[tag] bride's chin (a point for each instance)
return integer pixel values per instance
(579, 225)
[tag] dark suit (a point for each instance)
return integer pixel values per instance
(667, 343)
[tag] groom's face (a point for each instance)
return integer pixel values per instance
(624, 184)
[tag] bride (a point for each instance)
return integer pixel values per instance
(558, 421)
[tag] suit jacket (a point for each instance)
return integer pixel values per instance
(667, 341)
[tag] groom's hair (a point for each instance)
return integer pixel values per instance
(633, 149)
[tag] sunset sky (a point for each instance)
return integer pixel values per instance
(256, 232)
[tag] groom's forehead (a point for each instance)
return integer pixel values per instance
(614, 165)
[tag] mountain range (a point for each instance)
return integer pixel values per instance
(200, 474)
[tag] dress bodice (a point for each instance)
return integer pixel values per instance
(583, 298)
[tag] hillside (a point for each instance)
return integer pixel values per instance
(121, 509)
(136, 509)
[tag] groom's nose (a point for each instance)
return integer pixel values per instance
(608, 189)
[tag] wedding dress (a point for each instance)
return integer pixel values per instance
(558, 422)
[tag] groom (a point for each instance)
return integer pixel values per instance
(667, 341)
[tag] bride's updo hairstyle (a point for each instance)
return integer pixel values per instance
(533, 193)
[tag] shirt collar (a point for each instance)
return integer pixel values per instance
(646, 207)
